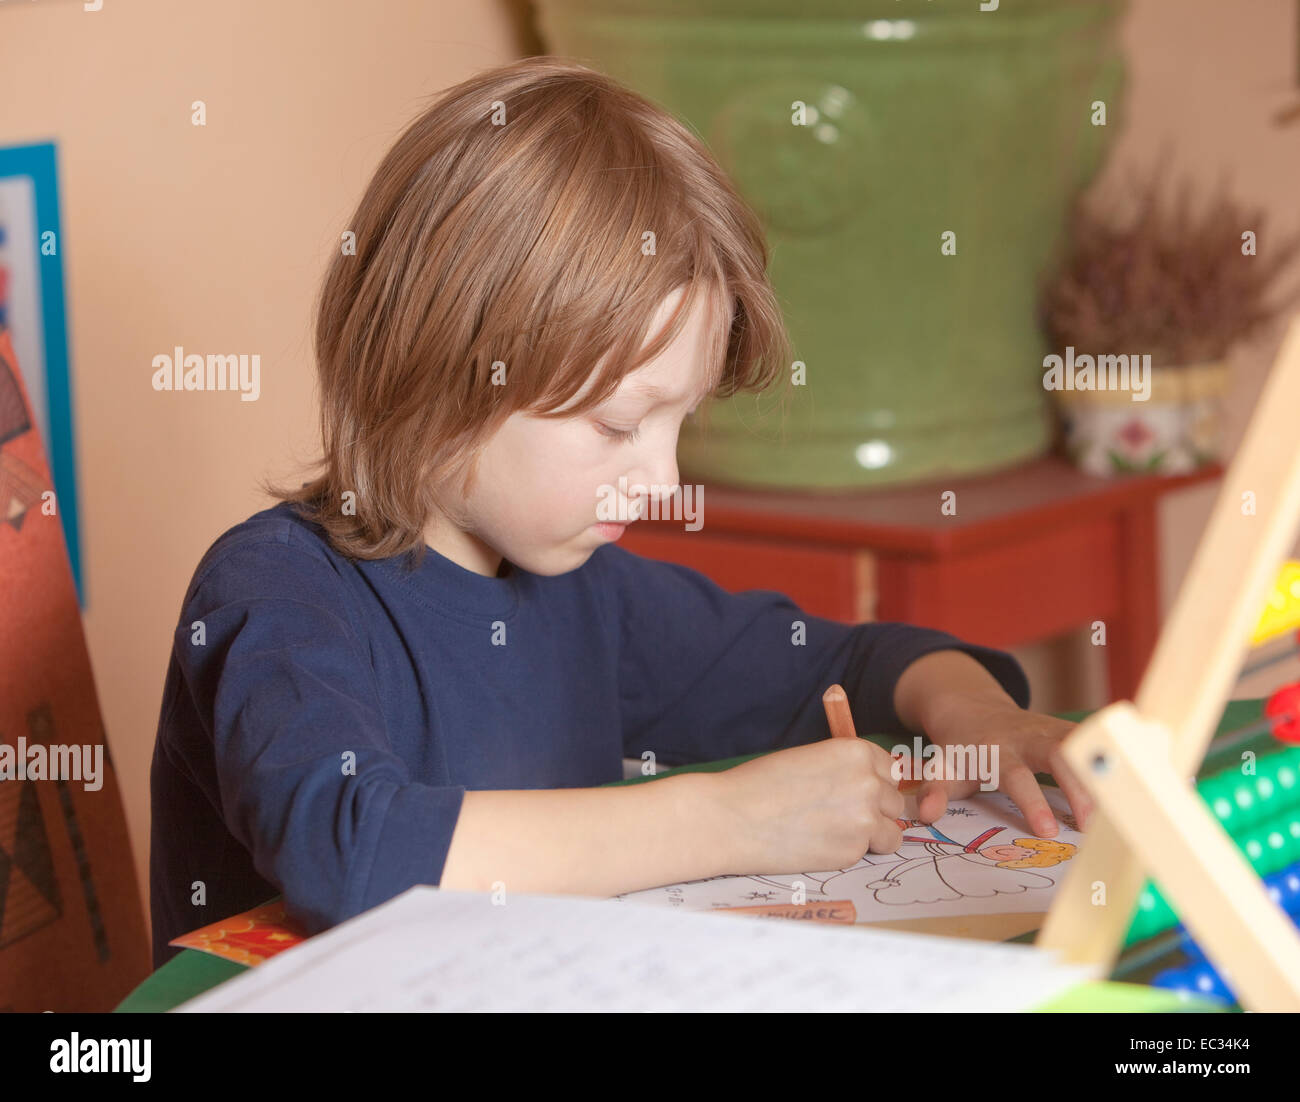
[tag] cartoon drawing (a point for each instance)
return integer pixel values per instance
(951, 870)
(975, 862)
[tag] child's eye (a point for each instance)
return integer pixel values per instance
(622, 435)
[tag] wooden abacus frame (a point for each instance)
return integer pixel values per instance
(1136, 759)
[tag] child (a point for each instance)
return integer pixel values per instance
(419, 666)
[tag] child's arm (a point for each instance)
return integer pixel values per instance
(936, 678)
(590, 841)
(707, 674)
(819, 806)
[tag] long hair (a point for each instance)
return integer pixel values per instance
(523, 229)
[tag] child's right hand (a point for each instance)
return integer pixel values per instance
(810, 808)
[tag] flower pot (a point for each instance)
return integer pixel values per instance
(1177, 429)
(926, 119)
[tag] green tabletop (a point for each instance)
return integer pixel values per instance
(192, 972)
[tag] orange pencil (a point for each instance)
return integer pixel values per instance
(836, 702)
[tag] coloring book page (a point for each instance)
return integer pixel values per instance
(979, 857)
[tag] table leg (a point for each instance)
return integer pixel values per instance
(1131, 636)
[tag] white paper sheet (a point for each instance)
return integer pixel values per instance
(990, 863)
(434, 950)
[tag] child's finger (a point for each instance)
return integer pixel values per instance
(1081, 803)
(931, 801)
(933, 796)
(1019, 783)
(891, 802)
(886, 838)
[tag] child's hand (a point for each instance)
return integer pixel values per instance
(819, 806)
(1027, 742)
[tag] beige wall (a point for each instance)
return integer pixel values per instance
(214, 238)
(1205, 80)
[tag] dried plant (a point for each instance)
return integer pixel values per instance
(1167, 281)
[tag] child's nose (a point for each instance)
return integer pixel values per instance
(659, 475)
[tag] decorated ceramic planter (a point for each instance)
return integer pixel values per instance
(1177, 429)
(927, 125)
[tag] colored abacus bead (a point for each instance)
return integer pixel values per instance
(1269, 847)
(1199, 976)
(1282, 612)
(1288, 890)
(1283, 888)
(1240, 801)
(1197, 979)
(1285, 706)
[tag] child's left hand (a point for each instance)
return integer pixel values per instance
(1027, 742)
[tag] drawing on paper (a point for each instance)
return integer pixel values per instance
(980, 857)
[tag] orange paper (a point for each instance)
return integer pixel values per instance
(248, 938)
(834, 910)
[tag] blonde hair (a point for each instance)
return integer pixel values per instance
(1047, 853)
(536, 215)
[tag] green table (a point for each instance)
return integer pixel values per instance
(191, 972)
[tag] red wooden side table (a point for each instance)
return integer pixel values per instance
(1031, 552)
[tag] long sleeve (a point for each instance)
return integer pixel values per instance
(305, 776)
(706, 674)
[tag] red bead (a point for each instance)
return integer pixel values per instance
(1285, 702)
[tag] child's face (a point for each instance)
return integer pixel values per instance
(538, 492)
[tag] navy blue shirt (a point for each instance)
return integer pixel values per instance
(323, 716)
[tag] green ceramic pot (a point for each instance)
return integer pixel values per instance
(925, 116)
